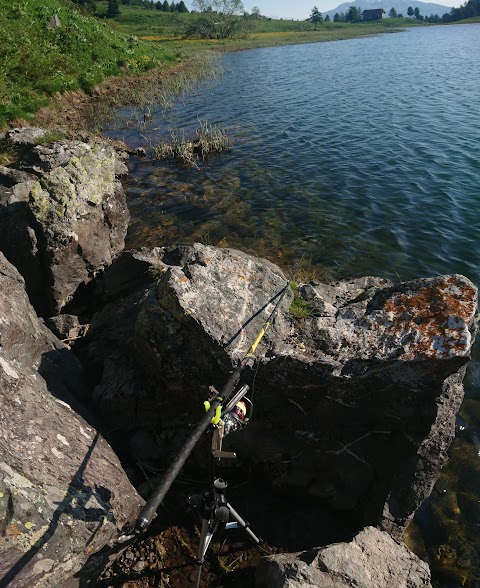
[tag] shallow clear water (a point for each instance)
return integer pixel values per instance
(363, 156)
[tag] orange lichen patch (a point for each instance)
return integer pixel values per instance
(12, 531)
(433, 321)
(184, 280)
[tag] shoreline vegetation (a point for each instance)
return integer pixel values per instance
(61, 67)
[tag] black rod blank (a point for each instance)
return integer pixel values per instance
(148, 511)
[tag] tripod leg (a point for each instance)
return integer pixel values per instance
(205, 539)
(241, 523)
(199, 575)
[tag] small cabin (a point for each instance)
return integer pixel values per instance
(375, 14)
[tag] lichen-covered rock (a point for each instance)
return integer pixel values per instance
(24, 136)
(224, 295)
(359, 397)
(63, 493)
(71, 226)
(372, 560)
(354, 404)
(419, 320)
(15, 185)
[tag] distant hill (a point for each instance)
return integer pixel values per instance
(401, 6)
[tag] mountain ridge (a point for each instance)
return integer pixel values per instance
(401, 6)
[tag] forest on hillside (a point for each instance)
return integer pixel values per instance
(468, 10)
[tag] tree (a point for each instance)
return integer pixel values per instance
(327, 18)
(173, 7)
(181, 7)
(416, 12)
(87, 5)
(354, 14)
(218, 19)
(256, 14)
(316, 16)
(410, 11)
(392, 13)
(336, 17)
(166, 6)
(113, 10)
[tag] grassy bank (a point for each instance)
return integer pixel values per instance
(48, 46)
(50, 49)
(168, 29)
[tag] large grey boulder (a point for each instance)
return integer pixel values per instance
(65, 219)
(356, 402)
(63, 493)
(372, 560)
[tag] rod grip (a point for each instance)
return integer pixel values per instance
(147, 513)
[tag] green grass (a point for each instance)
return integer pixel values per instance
(168, 29)
(37, 61)
(138, 21)
(50, 137)
(467, 20)
(300, 308)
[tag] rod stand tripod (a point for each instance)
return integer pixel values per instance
(216, 512)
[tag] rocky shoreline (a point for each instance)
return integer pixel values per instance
(354, 413)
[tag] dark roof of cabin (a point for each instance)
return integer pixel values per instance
(371, 11)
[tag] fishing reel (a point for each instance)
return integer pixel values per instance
(235, 415)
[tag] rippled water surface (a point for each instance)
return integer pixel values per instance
(364, 157)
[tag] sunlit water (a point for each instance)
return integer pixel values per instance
(362, 157)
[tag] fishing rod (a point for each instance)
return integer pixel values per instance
(220, 405)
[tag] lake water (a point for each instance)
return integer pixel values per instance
(360, 157)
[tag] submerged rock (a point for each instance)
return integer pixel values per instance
(63, 493)
(372, 560)
(65, 221)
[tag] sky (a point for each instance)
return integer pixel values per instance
(301, 9)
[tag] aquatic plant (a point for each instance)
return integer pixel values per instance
(152, 95)
(210, 139)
